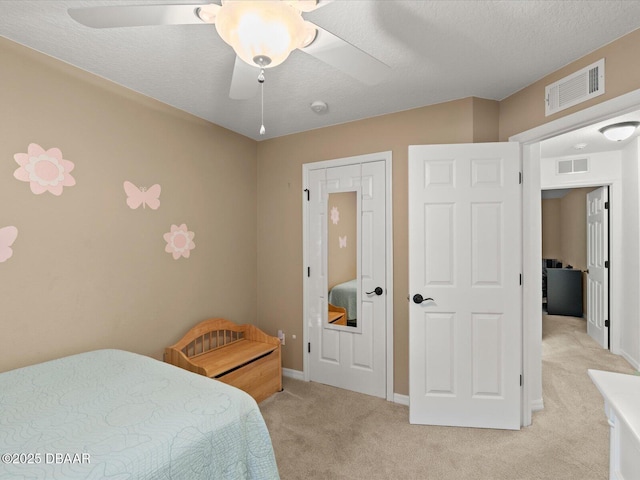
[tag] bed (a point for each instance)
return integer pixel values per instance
(118, 415)
(346, 295)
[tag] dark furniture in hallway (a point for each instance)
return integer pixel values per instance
(564, 292)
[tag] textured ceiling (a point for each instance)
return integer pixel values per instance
(586, 140)
(437, 50)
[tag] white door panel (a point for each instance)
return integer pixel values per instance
(464, 252)
(598, 274)
(350, 357)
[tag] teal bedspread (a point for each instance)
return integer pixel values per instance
(346, 295)
(110, 414)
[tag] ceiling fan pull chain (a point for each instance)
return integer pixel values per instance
(261, 81)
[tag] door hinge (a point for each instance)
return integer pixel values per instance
(520, 279)
(607, 323)
(309, 347)
(308, 271)
(520, 380)
(308, 193)
(606, 205)
(520, 178)
(606, 264)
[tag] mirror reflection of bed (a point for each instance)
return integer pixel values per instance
(342, 255)
(343, 308)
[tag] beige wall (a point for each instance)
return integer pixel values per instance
(280, 163)
(87, 271)
(525, 109)
(485, 120)
(103, 283)
(279, 183)
(573, 214)
(551, 225)
(564, 228)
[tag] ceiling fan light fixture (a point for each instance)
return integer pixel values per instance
(310, 34)
(619, 131)
(208, 13)
(261, 29)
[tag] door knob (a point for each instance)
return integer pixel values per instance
(417, 298)
(377, 291)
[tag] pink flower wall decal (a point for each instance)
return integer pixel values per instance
(179, 241)
(8, 235)
(45, 170)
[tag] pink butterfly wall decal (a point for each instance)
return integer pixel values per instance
(142, 196)
(343, 241)
(8, 235)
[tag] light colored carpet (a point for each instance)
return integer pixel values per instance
(322, 432)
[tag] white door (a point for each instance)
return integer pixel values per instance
(464, 282)
(597, 263)
(349, 354)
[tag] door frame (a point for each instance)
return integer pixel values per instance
(532, 240)
(340, 162)
(614, 232)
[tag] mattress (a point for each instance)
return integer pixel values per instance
(119, 415)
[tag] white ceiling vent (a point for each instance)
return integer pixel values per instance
(576, 165)
(576, 88)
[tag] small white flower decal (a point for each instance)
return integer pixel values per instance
(335, 215)
(179, 241)
(343, 241)
(46, 171)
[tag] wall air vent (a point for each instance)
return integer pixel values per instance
(576, 165)
(574, 89)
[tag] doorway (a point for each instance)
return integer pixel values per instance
(575, 253)
(533, 168)
(348, 276)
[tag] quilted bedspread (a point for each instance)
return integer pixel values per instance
(110, 414)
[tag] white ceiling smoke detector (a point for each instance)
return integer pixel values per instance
(319, 107)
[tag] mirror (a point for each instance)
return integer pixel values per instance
(342, 259)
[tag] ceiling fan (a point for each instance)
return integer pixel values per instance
(261, 32)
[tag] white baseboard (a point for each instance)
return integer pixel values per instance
(298, 375)
(295, 374)
(631, 361)
(537, 405)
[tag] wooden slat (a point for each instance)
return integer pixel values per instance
(224, 359)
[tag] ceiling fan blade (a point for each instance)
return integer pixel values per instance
(308, 5)
(348, 58)
(136, 15)
(322, 3)
(244, 81)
